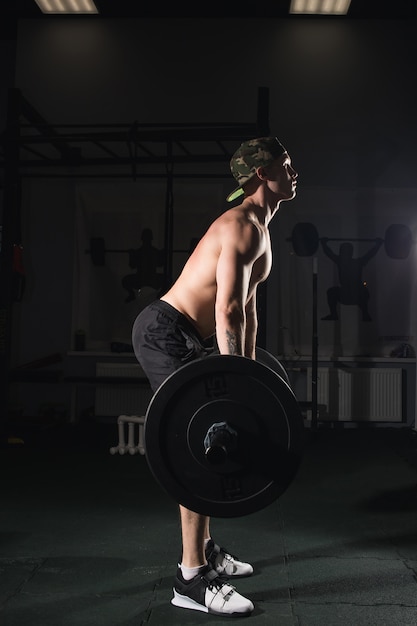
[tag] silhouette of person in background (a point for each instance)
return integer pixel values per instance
(146, 260)
(352, 289)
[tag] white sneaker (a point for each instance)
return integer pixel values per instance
(225, 564)
(208, 593)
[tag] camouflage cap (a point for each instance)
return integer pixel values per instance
(251, 155)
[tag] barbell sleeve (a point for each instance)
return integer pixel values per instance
(218, 442)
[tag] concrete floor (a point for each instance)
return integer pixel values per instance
(90, 539)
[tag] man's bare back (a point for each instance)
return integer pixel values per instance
(236, 239)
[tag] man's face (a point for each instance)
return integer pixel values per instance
(282, 177)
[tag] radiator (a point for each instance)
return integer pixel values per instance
(126, 399)
(359, 394)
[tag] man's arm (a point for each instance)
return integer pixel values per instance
(239, 249)
(372, 252)
(327, 250)
(251, 327)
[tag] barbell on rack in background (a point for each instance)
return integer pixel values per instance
(98, 250)
(398, 240)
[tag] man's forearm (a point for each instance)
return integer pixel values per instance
(230, 333)
(250, 336)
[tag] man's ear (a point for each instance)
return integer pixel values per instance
(261, 173)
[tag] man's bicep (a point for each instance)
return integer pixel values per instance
(239, 250)
(232, 278)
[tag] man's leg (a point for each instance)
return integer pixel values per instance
(199, 548)
(198, 585)
(194, 529)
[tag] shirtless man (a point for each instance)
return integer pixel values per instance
(215, 296)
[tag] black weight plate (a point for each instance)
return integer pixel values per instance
(254, 401)
(266, 358)
(305, 239)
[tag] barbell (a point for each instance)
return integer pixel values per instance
(224, 434)
(398, 240)
(98, 251)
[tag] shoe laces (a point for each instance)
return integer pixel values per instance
(224, 559)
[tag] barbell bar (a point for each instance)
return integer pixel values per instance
(98, 251)
(398, 240)
(224, 435)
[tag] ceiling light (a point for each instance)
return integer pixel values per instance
(320, 7)
(67, 6)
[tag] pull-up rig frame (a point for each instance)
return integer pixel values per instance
(30, 147)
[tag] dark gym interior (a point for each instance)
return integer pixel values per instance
(116, 131)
